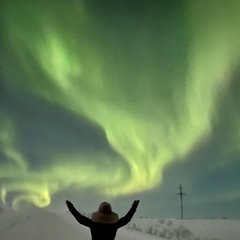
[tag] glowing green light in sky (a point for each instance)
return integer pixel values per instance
(151, 116)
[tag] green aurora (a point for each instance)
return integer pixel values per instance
(151, 79)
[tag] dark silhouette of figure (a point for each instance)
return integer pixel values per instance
(104, 223)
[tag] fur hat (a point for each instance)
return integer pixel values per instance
(104, 214)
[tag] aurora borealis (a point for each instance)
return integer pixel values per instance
(107, 96)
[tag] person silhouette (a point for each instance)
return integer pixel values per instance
(104, 223)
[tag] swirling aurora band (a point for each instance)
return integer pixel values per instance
(151, 111)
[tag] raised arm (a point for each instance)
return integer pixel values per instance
(127, 218)
(79, 217)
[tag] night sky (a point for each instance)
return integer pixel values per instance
(121, 100)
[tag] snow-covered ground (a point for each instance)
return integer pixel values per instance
(61, 225)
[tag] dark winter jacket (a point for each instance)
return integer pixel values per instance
(102, 231)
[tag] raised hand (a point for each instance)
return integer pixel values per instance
(135, 204)
(69, 204)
